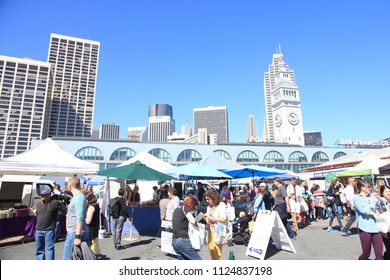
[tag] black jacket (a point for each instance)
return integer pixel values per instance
(332, 190)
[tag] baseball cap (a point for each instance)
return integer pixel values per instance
(263, 184)
(45, 191)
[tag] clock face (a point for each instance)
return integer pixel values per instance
(278, 120)
(293, 118)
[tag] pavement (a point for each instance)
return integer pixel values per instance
(314, 242)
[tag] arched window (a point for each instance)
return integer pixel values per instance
(273, 156)
(223, 154)
(297, 157)
(247, 156)
(339, 154)
(161, 154)
(122, 154)
(89, 153)
(320, 157)
(189, 155)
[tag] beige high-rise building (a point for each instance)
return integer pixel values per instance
(25, 88)
(251, 130)
(75, 64)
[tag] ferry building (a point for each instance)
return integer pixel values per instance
(110, 153)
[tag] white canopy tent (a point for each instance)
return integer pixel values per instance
(47, 159)
(371, 165)
(150, 161)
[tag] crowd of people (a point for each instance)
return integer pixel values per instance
(296, 205)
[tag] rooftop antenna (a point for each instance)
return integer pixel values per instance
(280, 49)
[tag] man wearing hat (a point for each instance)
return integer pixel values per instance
(46, 212)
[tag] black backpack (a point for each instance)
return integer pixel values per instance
(115, 208)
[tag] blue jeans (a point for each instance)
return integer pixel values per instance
(68, 246)
(44, 239)
(184, 250)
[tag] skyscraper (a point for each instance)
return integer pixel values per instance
(215, 119)
(283, 122)
(109, 131)
(251, 130)
(161, 122)
(25, 87)
(75, 64)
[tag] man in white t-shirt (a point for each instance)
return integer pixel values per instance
(349, 192)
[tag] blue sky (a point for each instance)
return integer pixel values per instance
(192, 54)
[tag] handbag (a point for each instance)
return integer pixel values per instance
(196, 235)
(220, 234)
(231, 213)
(304, 206)
(250, 209)
(382, 220)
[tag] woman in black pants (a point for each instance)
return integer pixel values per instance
(333, 195)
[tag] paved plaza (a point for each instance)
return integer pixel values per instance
(313, 243)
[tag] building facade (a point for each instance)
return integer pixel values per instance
(25, 88)
(109, 131)
(215, 120)
(75, 65)
(161, 123)
(111, 153)
(251, 130)
(313, 138)
(138, 134)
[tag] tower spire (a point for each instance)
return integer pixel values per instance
(280, 49)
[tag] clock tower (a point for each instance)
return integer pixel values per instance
(286, 107)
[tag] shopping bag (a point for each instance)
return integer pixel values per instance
(304, 207)
(197, 236)
(382, 220)
(231, 213)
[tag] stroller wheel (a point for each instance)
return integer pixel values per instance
(246, 240)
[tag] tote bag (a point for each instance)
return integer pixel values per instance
(197, 236)
(382, 220)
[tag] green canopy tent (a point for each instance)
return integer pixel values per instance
(353, 173)
(134, 171)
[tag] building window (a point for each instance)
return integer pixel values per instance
(273, 156)
(297, 157)
(320, 157)
(339, 154)
(122, 154)
(161, 154)
(247, 156)
(189, 155)
(89, 153)
(223, 154)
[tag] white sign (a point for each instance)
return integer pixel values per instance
(166, 238)
(268, 224)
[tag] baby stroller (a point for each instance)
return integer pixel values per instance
(241, 231)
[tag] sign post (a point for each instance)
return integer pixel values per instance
(268, 224)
